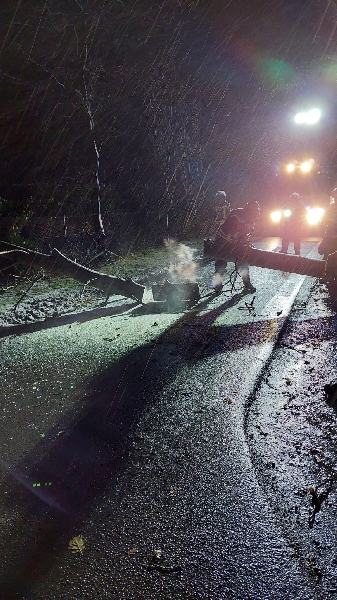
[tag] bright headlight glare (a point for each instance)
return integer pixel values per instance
(306, 166)
(309, 117)
(313, 116)
(314, 215)
(287, 212)
(300, 117)
(276, 216)
(290, 168)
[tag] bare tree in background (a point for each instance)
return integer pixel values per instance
(90, 76)
(175, 119)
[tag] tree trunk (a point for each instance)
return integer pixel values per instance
(242, 252)
(58, 263)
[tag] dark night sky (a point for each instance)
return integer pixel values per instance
(187, 95)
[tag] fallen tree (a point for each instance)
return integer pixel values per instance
(60, 264)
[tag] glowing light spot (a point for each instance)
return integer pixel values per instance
(314, 215)
(276, 216)
(287, 213)
(299, 118)
(290, 168)
(309, 117)
(313, 116)
(39, 484)
(306, 166)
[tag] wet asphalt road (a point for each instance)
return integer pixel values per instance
(180, 447)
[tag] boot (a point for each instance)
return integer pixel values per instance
(248, 287)
(284, 247)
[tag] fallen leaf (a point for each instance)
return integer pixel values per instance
(133, 552)
(76, 544)
(288, 381)
(158, 553)
(164, 569)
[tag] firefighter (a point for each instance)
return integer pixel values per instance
(222, 207)
(237, 228)
(328, 244)
(292, 224)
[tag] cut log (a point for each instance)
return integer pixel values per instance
(242, 252)
(238, 253)
(58, 263)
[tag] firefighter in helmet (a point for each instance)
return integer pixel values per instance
(237, 228)
(328, 244)
(292, 223)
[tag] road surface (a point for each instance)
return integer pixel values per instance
(178, 449)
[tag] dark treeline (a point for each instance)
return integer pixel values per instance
(148, 106)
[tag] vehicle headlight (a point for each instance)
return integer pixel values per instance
(287, 213)
(306, 166)
(314, 215)
(276, 216)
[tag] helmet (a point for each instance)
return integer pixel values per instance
(221, 197)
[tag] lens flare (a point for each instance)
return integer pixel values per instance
(299, 118)
(306, 166)
(309, 117)
(314, 215)
(276, 216)
(290, 168)
(313, 116)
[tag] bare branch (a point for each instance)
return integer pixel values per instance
(58, 263)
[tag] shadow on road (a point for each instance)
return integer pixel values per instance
(82, 457)
(81, 317)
